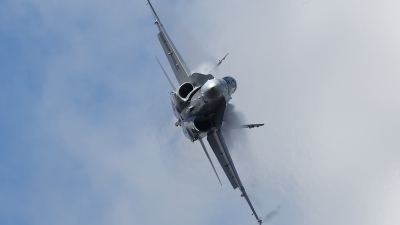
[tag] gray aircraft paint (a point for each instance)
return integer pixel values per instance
(199, 105)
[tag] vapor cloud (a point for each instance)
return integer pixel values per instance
(271, 215)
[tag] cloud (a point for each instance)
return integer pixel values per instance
(322, 77)
(98, 143)
(271, 215)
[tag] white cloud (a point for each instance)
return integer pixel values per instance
(103, 148)
(326, 78)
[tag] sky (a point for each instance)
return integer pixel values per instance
(87, 133)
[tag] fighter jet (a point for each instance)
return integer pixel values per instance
(199, 105)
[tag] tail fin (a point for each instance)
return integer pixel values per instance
(205, 150)
(170, 82)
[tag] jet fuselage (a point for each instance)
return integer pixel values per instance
(200, 109)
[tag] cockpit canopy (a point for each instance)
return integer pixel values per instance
(231, 82)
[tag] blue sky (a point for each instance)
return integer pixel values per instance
(87, 134)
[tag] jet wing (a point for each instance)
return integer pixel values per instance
(221, 151)
(179, 66)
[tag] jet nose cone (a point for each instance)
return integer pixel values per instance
(212, 89)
